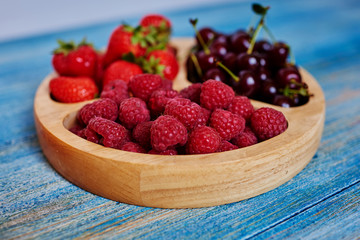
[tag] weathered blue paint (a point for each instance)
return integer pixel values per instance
(322, 202)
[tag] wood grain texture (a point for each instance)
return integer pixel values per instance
(179, 181)
(321, 202)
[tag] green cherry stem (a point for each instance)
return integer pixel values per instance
(218, 63)
(257, 30)
(269, 33)
(201, 40)
(196, 64)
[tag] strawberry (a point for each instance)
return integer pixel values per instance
(72, 59)
(162, 62)
(155, 20)
(121, 70)
(122, 42)
(73, 89)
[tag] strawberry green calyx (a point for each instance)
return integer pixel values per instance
(152, 65)
(66, 47)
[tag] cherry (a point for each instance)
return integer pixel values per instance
(300, 99)
(268, 90)
(263, 46)
(246, 61)
(219, 49)
(206, 61)
(240, 42)
(192, 74)
(288, 76)
(215, 74)
(263, 74)
(283, 101)
(248, 84)
(279, 54)
(221, 38)
(262, 59)
(207, 34)
(229, 60)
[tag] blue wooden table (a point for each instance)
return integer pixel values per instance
(322, 202)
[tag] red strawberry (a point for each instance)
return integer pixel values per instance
(155, 20)
(122, 42)
(75, 60)
(162, 62)
(73, 89)
(121, 70)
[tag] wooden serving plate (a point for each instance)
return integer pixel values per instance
(183, 181)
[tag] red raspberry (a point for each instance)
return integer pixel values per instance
(244, 139)
(227, 124)
(141, 134)
(167, 84)
(204, 118)
(143, 85)
(105, 108)
(114, 135)
(115, 90)
(203, 140)
(132, 147)
(215, 94)
(267, 123)
(165, 152)
(192, 92)
(241, 106)
(166, 132)
(159, 99)
(226, 146)
(185, 111)
(133, 111)
(76, 129)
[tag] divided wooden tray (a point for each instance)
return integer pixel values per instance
(185, 181)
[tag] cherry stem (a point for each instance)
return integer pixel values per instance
(196, 64)
(269, 33)
(292, 56)
(256, 33)
(251, 25)
(201, 40)
(218, 63)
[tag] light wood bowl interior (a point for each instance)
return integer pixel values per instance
(183, 181)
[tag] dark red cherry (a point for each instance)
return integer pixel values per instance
(268, 90)
(263, 46)
(240, 42)
(215, 74)
(262, 59)
(263, 74)
(299, 100)
(246, 61)
(248, 84)
(283, 101)
(219, 49)
(206, 61)
(221, 38)
(279, 54)
(229, 61)
(192, 74)
(288, 76)
(207, 34)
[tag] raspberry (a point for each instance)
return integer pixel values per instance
(114, 135)
(227, 124)
(132, 147)
(105, 108)
(226, 146)
(204, 118)
(267, 123)
(141, 134)
(133, 111)
(192, 92)
(143, 85)
(185, 111)
(115, 90)
(241, 106)
(215, 94)
(165, 152)
(159, 99)
(167, 84)
(76, 129)
(166, 132)
(203, 140)
(244, 139)
(90, 135)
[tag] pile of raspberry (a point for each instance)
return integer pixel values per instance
(148, 116)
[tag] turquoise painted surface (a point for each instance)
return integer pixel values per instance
(322, 202)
